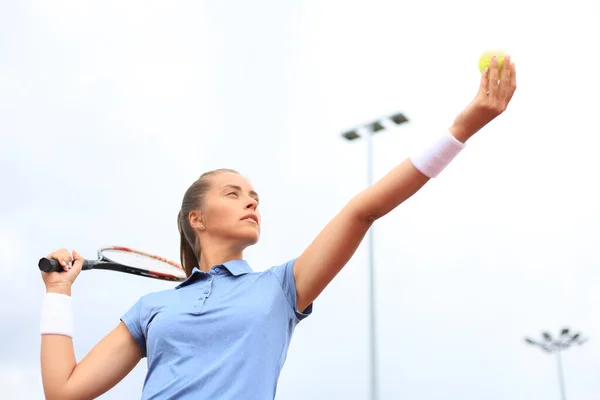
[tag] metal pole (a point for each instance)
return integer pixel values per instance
(561, 379)
(369, 130)
(372, 308)
(565, 341)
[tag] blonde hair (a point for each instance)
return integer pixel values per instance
(193, 199)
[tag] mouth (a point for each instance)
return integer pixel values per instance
(251, 218)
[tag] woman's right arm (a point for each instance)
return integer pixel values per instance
(102, 368)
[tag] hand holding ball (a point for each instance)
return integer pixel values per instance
(486, 59)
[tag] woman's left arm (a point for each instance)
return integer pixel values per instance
(337, 242)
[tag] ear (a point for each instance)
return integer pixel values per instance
(196, 221)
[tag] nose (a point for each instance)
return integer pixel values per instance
(252, 204)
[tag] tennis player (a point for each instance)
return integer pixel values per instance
(224, 332)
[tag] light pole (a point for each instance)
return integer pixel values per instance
(562, 342)
(353, 134)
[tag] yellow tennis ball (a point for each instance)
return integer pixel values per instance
(486, 59)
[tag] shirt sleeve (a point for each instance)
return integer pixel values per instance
(134, 322)
(285, 276)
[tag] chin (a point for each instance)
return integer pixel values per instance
(253, 239)
(249, 238)
(247, 242)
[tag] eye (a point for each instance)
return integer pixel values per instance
(230, 193)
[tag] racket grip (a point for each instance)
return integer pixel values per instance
(52, 265)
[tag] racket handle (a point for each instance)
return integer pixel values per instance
(52, 265)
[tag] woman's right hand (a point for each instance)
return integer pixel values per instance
(61, 282)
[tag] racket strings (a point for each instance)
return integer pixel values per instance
(141, 261)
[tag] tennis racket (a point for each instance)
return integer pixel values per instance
(124, 259)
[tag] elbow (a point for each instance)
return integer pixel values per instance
(364, 215)
(55, 394)
(363, 210)
(60, 393)
(368, 219)
(61, 396)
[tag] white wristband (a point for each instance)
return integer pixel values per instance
(431, 159)
(57, 315)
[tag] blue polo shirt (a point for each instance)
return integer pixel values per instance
(220, 335)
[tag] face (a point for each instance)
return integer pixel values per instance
(230, 210)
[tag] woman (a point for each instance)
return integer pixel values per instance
(224, 332)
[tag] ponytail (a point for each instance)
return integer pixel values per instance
(187, 255)
(189, 247)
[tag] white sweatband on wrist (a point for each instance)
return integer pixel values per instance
(57, 315)
(432, 158)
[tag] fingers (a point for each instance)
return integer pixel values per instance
(505, 73)
(78, 260)
(513, 82)
(494, 77)
(77, 256)
(63, 257)
(484, 83)
(513, 74)
(504, 86)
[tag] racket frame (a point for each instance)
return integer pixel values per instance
(105, 263)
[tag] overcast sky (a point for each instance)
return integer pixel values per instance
(109, 110)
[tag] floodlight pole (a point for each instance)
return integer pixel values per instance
(561, 378)
(372, 128)
(565, 340)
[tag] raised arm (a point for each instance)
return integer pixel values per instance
(338, 241)
(102, 368)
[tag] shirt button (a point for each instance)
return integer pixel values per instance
(217, 270)
(206, 291)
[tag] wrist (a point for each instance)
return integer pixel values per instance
(59, 288)
(57, 315)
(461, 132)
(435, 154)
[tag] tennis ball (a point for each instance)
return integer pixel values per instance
(486, 59)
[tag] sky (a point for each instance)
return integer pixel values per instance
(109, 110)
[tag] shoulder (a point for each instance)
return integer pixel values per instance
(284, 274)
(155, 299)
(279, 268)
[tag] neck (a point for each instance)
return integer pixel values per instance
(217, 253)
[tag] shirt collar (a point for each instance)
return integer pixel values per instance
(235, 268)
